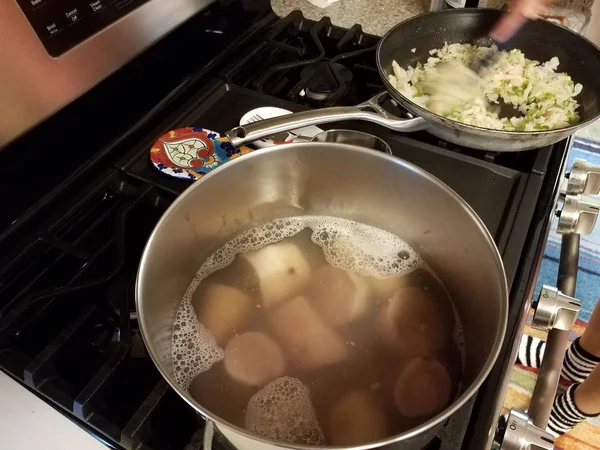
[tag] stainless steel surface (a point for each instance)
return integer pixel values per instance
(578, 215)
(521, 434)
(33, 85)
(522, 316)
(584, 178)
(555, 310)
(352, 137)
(556, 343)
(338, 180)
(369, 111)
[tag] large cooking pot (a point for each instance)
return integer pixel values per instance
(410, 42)
(336, 180)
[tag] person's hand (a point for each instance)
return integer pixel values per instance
(520, 12)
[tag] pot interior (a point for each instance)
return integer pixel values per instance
(334, 180)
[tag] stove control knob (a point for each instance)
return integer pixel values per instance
(517, 432)
(555, 310)
(584, 178)
(578, 214)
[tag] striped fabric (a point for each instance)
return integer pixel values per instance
(531, 350)
(565, 415)
(586, 435)
(577, 366)
(578, 363)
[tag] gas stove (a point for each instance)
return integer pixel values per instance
(68, 328)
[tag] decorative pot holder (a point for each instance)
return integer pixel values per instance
(190, 153)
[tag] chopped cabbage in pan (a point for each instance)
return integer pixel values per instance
(544, 97)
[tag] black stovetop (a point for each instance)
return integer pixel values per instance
(74, 235)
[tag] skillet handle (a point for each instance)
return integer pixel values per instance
(370, 111)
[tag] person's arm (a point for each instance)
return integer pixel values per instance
(520, 12)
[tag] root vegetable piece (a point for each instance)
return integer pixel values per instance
(339, 296)
(413, 323)
(423, 388)
(283, 411)
(254, 359)
(357, 419)
(385, 288)
(221, 309)
(310, 343)
(281, 269)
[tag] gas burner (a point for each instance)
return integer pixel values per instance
(123, 287)
(322, 83)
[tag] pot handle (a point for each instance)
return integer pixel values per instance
(209, 432)
(369, 111)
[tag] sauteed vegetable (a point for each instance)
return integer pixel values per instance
(543, 98)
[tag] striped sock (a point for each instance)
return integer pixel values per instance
(531, 351)
(565, 414)
(578, 363)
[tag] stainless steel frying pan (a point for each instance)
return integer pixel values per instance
(539, 40)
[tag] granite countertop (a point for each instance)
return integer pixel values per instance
(378, 16)
(375, 16)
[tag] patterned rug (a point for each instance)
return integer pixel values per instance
(586, 436)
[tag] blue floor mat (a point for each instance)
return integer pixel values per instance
(588, 278)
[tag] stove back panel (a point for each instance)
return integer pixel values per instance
(24, 62)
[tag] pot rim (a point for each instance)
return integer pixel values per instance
(436, 420)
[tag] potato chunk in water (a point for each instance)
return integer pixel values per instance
(310, 343)
(357, 419)
(282, 271)
(386, 287)
(423, 388)
(339, 296)
(413, 323)
(254, 359)
(221, 309)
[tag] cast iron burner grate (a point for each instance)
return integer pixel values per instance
(68, 327)
(298, 55)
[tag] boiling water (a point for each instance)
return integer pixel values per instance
(318, 330)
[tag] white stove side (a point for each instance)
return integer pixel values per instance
(27, 422)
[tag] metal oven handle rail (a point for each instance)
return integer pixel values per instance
(557, 309)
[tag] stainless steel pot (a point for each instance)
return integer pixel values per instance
(336, 180)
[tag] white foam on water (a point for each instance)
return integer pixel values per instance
(194, 347)
(346, 244)
(282, 411)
